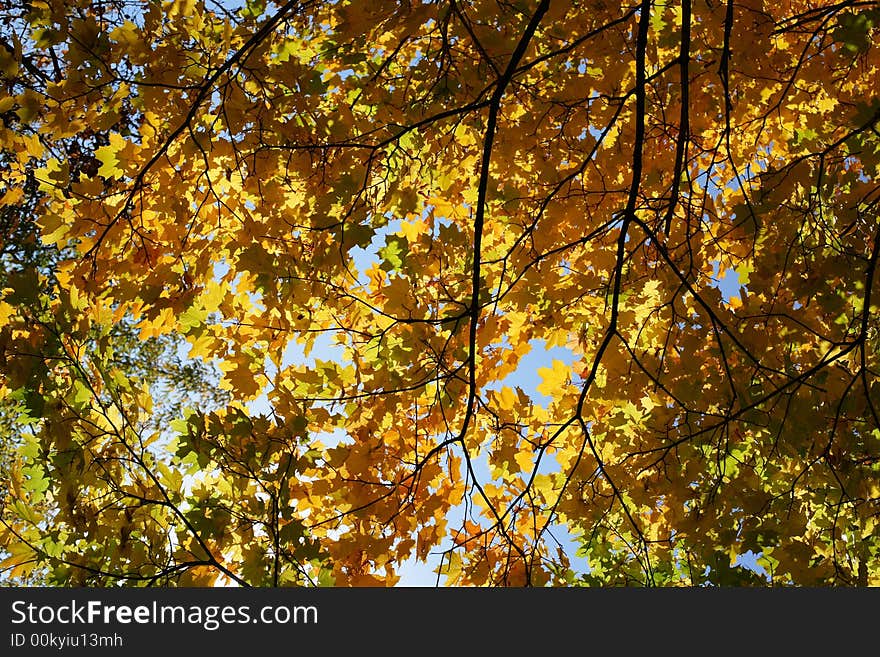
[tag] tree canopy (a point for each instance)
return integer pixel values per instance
(349, 222)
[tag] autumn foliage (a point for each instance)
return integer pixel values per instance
(353, 220)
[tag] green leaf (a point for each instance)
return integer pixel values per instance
(82, 395)
(35, 481)
(392, 253)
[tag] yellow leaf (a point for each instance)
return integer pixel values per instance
(108, 155)
(506, 398)
(553, 378)
(524, 460)
(33, 146)
(12, 196)
(411, 230)
(6, 311)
